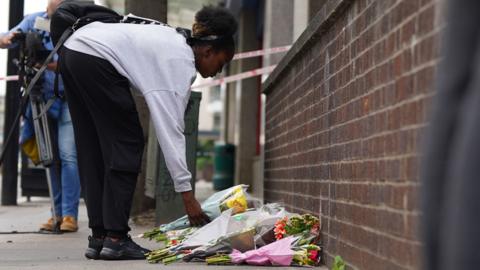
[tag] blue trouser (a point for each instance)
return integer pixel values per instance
(66, 188)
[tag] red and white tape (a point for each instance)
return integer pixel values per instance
(228, 79)
(261, 52)
(236, 77)
(9, 78)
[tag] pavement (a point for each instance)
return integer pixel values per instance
(65, 251)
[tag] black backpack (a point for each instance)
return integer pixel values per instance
(71, 15)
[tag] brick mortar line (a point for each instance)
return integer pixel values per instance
(350, 23)
(321, 23)
(345, 162)
(358, 36)
(380, 134)
(365, 206)
(373, 113)
(401, 49)
(361, 139)
(359, 54)
(379, 233)
(376, 208)
(412, 71)
(382, 206)
(373, 90)
(331, 145)
(392, 30)
(381, 184)
(413, 98)
(386, 158)
(351, 245)
(363, 183)
(284, 192)
(374, 182)
(302, 69)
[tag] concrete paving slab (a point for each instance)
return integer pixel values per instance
(65, 251)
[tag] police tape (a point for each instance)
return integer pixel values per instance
(9, 78)
(236, 77)
(228, 79)
(236, 57)
(261, 52)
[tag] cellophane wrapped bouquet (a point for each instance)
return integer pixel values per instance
(242, 231)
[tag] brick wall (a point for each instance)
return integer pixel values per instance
(344, 115)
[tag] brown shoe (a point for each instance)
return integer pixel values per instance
(69, 224)
(49, 225)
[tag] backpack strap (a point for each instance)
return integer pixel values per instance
(55, 84)
(130, 18)
(42, 69)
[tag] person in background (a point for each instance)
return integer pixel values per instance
(66, 184)
(450, 171)
(98, 63)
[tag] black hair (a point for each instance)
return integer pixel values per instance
(214, 26)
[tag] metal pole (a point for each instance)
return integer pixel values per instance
(12, 103)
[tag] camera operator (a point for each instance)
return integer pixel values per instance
(66, 186)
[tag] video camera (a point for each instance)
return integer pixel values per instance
(32, 51)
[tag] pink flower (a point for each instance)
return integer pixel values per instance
(313, 254)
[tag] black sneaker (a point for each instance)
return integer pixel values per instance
(122, 249)
(94, 247)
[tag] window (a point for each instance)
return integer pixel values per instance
(217, 121)
(215, 93)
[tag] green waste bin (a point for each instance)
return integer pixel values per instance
(169, 204)
(223, 162)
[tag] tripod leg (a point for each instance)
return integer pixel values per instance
(44, 143)
(56, 223)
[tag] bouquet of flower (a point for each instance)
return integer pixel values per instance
(306, 255)
(276, 253)
(234, 197)
(306, 224)
(237, 200)
(281, 253)
(164, 255)
(170, 238)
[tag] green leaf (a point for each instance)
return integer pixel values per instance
(338, 264)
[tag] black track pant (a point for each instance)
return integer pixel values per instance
(108, 136)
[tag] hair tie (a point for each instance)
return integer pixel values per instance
(209, 38)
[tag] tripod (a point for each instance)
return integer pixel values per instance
(30, 81)
(44, 144)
